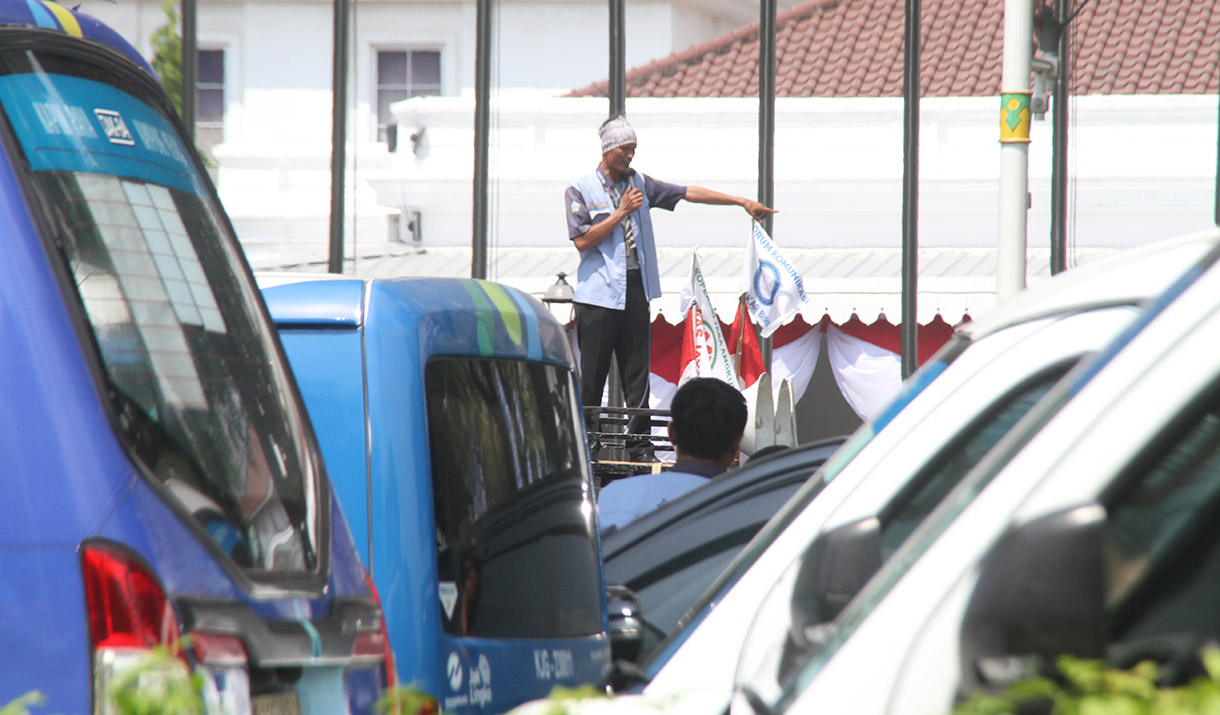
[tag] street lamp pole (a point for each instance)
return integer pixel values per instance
(1014, 147)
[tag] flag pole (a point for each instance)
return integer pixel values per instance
(745, 321)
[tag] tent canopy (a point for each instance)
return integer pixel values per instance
(840, 283)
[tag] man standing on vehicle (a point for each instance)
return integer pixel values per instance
(707, 420)
(609, 223)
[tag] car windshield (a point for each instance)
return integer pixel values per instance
(190, 366)
(794, 506)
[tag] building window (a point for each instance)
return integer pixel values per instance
(402, 74)
(210, 99)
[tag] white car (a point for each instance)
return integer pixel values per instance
(950, 413)
(894, 470)
(1092, 529)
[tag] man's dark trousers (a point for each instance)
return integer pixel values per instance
(602, 332)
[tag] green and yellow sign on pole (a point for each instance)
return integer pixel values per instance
(1014, 117)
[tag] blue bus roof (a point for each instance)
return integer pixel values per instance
(53, 16)
(450, 315)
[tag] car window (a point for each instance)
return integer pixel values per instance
(515, 538)
(191, 372)
(899, 520)
(1162, 544)
(665, 600)
(671, 557)
(928, 488)
(694, 553)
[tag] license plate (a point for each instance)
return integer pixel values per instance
(276, 704)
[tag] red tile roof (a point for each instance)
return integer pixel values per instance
(854, 48)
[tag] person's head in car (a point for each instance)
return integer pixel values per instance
(707, 420)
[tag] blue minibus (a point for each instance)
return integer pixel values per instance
(167, 516)
(449, 417)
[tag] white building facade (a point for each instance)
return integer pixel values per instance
(1142, 167)
(271, 61)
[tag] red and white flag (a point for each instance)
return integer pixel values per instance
(704, 352)
(743, 344)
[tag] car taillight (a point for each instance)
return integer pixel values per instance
(127, 606)
(377, 642)
(129, 615)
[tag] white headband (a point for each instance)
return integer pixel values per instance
(615, 133)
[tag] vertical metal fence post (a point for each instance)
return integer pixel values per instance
(338, 136)
(910, 192)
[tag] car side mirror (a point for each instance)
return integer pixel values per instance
(833, 570)
(1040, 594)
(626, 625)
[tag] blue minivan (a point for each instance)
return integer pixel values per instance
(163, 490)
(449, 417)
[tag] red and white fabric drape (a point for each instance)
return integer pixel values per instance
(864, 358)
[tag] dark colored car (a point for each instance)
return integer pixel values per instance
(668, 557)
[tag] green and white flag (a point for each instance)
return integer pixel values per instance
(704, 352)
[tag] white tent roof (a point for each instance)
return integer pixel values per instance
(840, 282)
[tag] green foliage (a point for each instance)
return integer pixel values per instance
(410, 700)
(167, 63)
(21, 706)
(167, 53)
(1090, 687)
(160, 685)
(407, 700)
(561, 697)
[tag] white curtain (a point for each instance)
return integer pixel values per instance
(796, 360)
(868, 376)
(660, 392)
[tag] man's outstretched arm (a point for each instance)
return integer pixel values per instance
(700, 195)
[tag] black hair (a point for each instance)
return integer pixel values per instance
(708, 415)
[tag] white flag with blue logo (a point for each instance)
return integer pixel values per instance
(772, 288)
